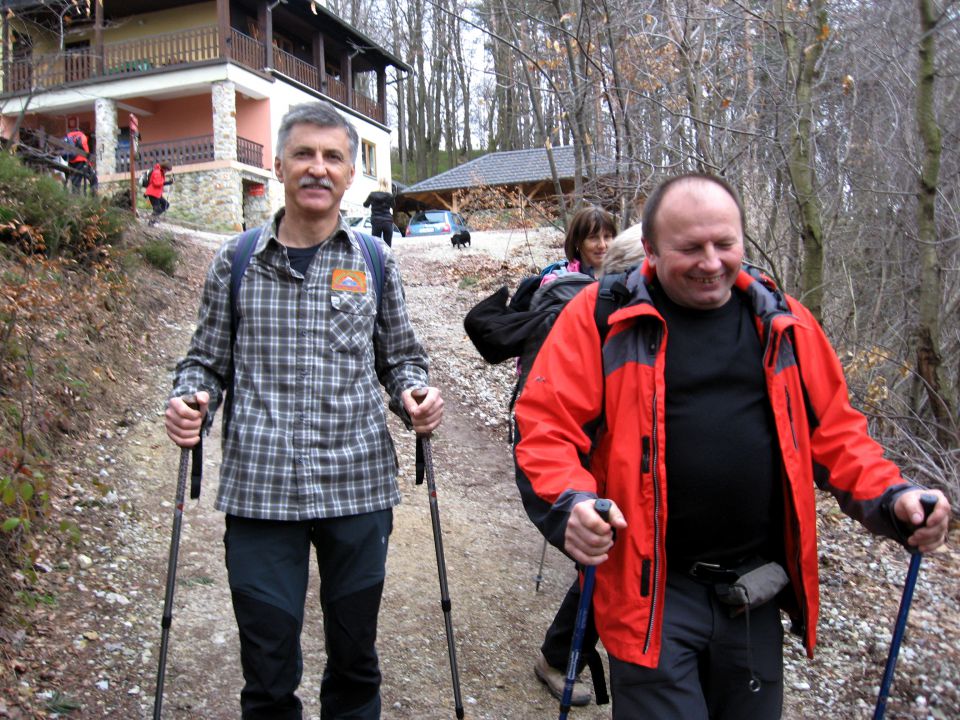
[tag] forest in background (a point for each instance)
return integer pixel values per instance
(836, 120)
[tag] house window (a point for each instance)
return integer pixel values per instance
(369, 158)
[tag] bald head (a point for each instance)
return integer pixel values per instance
(651, 208)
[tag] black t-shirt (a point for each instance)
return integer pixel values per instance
(300, 258)
(724, 486)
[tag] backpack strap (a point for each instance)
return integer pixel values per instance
(611, 296)
(373, 257)
(241, 258)
(238, 266)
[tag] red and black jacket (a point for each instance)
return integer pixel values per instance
(579, 410)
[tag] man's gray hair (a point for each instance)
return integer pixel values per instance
(319, 113)
(625, 252)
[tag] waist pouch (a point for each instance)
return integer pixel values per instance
(755, 585)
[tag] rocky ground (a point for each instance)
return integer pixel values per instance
(92, 651)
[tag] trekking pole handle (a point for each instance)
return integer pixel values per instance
(602, 506)
(928, 502)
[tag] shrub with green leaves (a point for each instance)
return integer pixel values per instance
(37, 211)
(161, 254)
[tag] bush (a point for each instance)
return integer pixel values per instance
(40, 216)
(161, 253)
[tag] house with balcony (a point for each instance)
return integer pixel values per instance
(200, 84)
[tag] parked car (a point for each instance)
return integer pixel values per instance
(436, 222)
(363, 224)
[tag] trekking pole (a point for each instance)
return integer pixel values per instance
(425, 468)
(928, 502)
(543, 556)
(602, 507)
(166, 620)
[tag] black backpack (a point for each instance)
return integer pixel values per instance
(145, 178)
(501, 330)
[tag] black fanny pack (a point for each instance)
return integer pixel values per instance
(756, 583)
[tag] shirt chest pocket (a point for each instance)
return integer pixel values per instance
(352, 319)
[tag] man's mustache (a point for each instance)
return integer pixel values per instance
(316, 182)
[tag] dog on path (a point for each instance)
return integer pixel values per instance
(460, 239)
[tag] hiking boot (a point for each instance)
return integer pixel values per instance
(555, 679)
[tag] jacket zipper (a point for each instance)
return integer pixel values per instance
(656, 531)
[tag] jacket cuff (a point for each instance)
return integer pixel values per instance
(901, 530)
(556, 531)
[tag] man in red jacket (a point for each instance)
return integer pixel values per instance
(723, 404)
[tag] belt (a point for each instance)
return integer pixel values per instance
(711, 573)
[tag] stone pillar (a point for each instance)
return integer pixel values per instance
(105, 114)
(224, 97)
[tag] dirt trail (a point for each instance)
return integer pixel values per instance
(491, 553)
(109, 620)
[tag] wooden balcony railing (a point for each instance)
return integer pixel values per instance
(336, 89)
(186, 151)
(296, 69)
(159, 52)
(188, 46)
(249, 152)
(247, 51)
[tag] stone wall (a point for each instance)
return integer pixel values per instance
(211, 198)
(217, 200)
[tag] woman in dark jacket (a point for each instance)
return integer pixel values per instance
(380, 203)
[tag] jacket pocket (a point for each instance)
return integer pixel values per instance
(352, 320)
(645, 568)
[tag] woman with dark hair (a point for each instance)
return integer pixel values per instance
(589, 234)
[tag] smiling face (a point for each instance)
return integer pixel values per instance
(699, 244)
(316, 168)
(594, 247)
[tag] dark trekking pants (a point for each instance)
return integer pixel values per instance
(559, 637)
(383, 229)
(159, 204)
(268, 565)
(706, 659)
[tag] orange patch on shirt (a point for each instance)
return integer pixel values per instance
(349, 280)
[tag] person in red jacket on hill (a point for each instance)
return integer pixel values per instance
(154, 191)
(714, 408)
(80, 161)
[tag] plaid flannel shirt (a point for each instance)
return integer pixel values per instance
(307, 437)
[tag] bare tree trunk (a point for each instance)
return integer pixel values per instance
(463, 77)
(538, 117)
(801, 65)
(927, 334)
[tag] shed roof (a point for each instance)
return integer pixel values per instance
(509, 167)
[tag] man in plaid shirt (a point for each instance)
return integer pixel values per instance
(307, 457)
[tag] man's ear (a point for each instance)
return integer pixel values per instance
(277, 169)
(648, 250)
